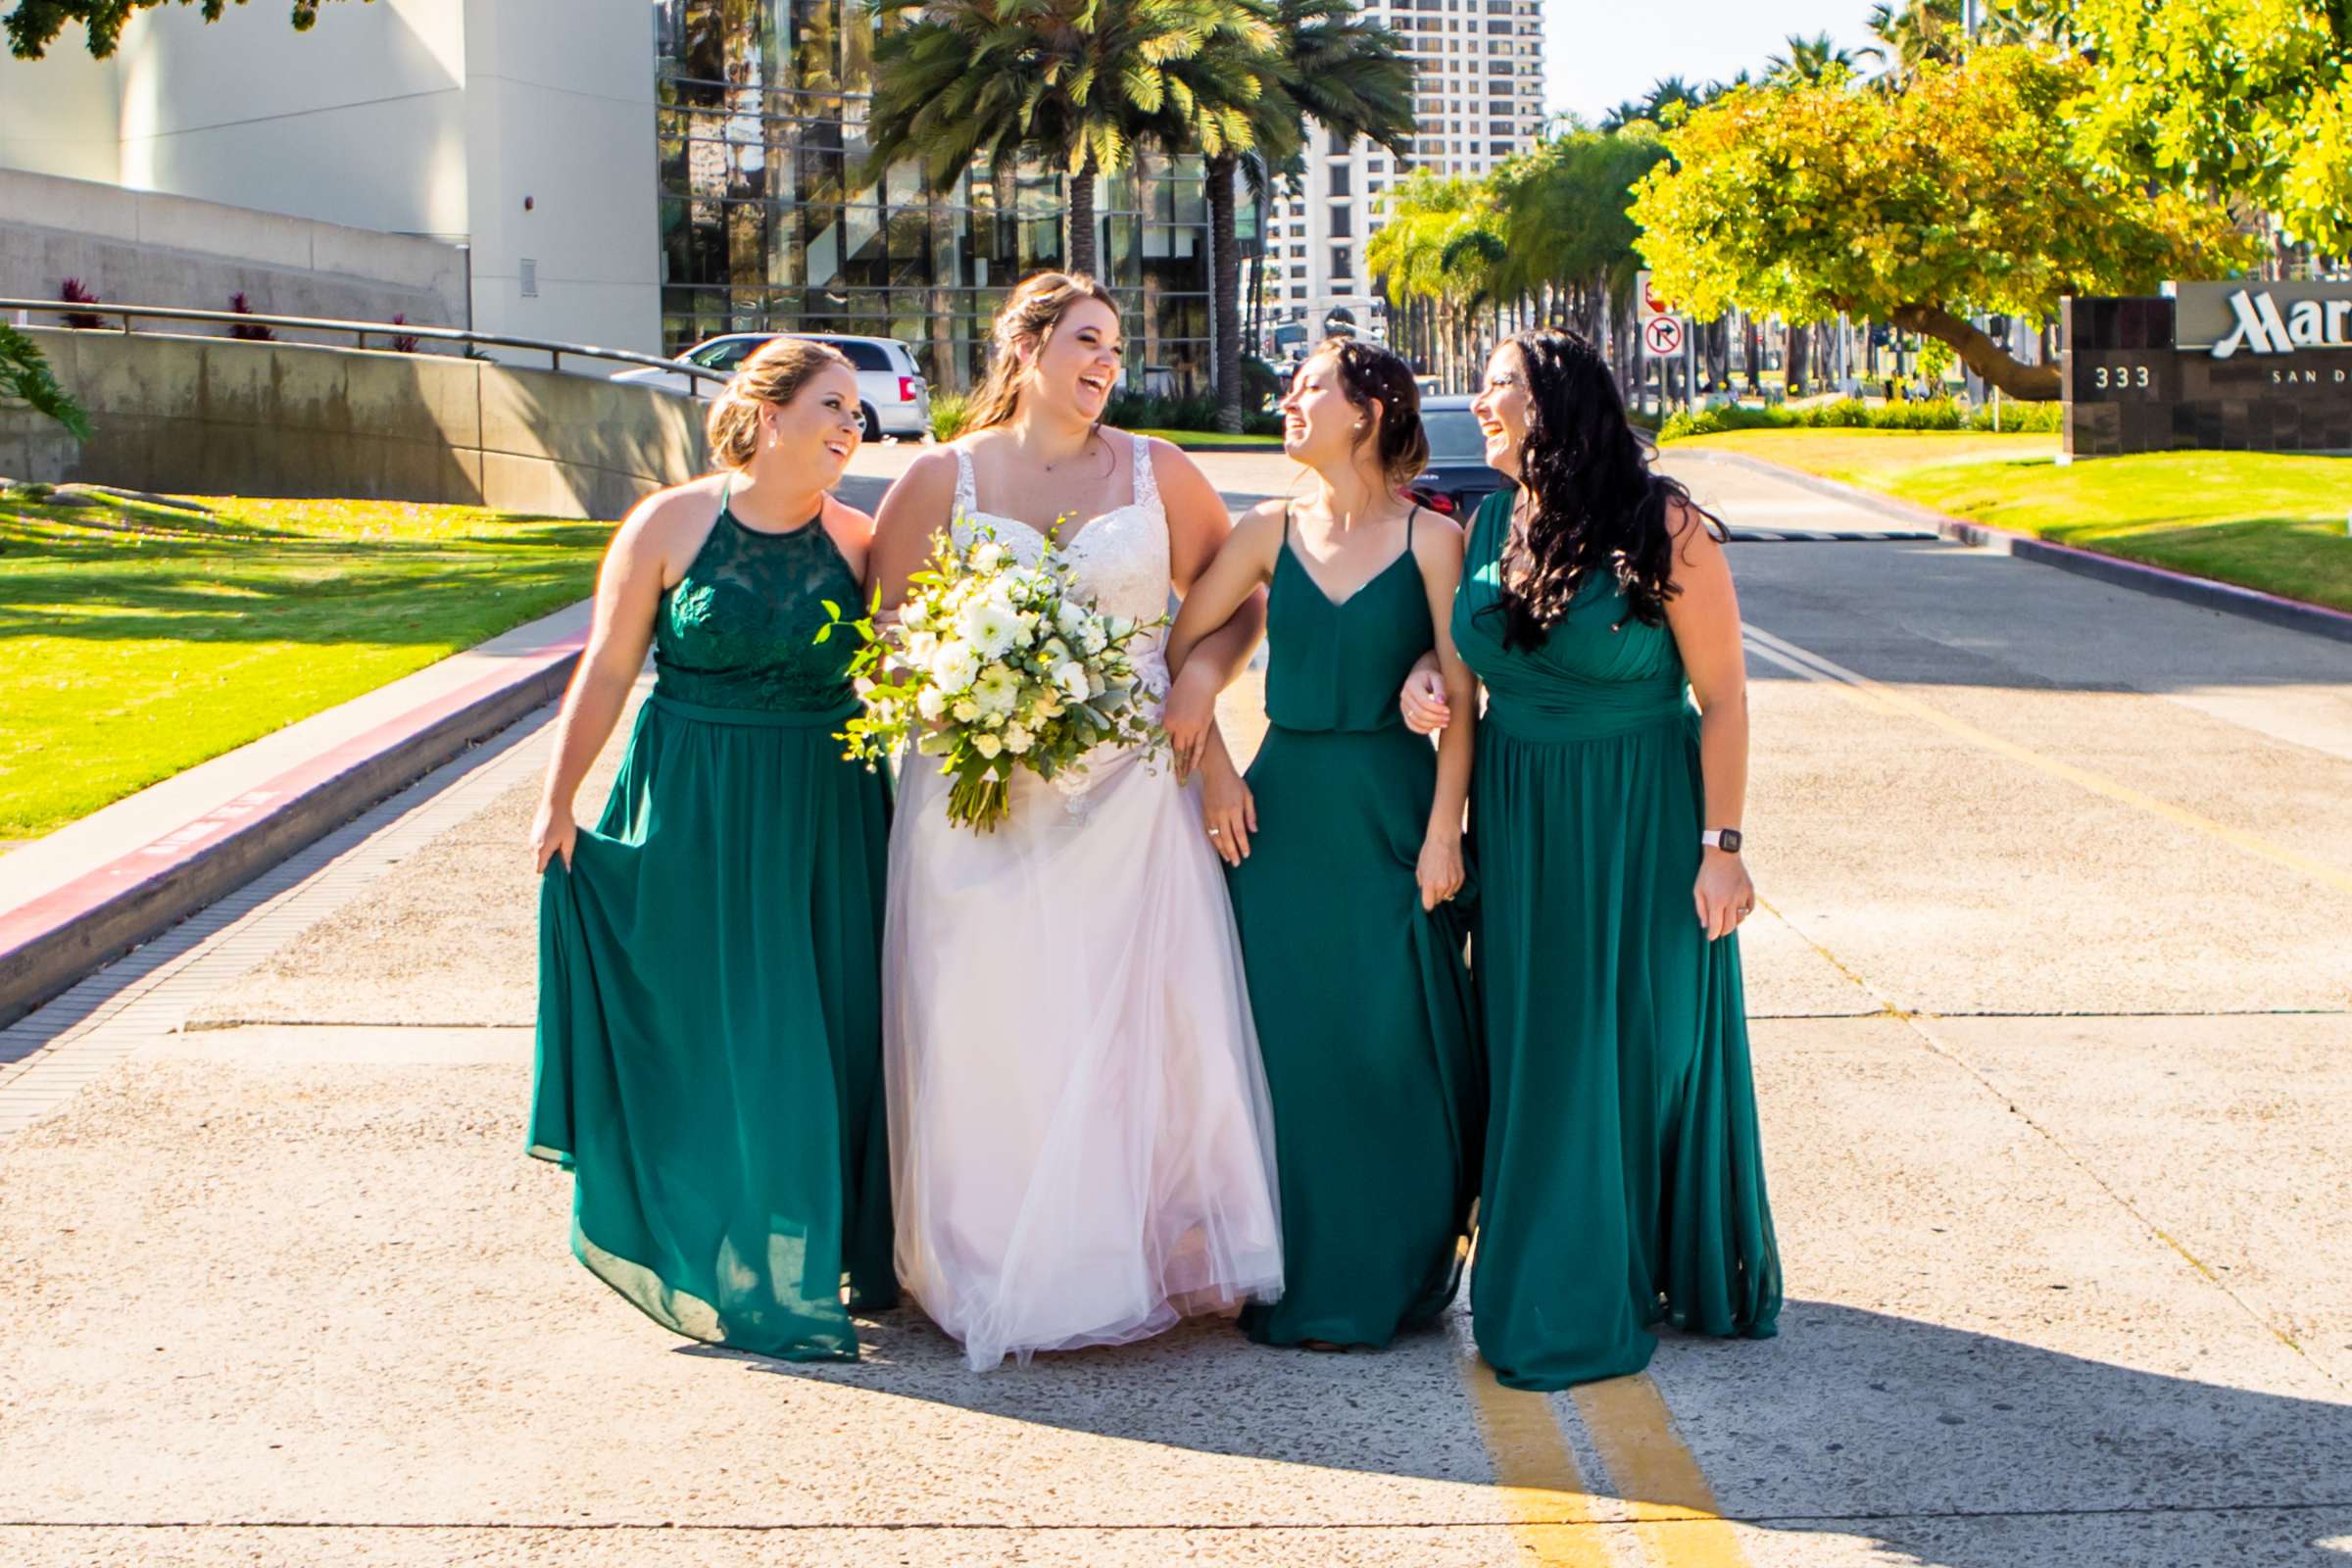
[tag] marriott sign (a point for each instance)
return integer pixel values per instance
(2232, 319)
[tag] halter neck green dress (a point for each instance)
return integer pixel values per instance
(709, 1027)
(1362, 998)
(1624, 1175)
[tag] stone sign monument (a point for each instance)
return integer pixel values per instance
(2247, 366)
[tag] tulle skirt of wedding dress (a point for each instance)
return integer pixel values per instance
(1081, 1144)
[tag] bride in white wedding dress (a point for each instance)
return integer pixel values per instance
(1081, 1149)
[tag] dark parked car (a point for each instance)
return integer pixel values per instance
(1457, 477)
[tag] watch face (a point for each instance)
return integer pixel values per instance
(1729, 840)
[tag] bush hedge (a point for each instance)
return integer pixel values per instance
(1852, 414)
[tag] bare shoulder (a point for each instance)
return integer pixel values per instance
(924, 489)
(1438, 537)
(670, 520)
(847, 524)
(1171, 462)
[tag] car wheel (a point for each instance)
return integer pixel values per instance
(873, 421)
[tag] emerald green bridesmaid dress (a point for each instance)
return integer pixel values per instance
(1362, 1003)
(709, 1027)
(1624, 1175)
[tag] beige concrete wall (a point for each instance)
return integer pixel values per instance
(143, 248)
(215, 417)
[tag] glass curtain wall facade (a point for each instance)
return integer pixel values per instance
(765, 222)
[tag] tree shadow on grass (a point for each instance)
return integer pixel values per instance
(1851, 1423)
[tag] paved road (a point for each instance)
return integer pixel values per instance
(2052, 1008)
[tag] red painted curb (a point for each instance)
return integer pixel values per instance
(48, 943)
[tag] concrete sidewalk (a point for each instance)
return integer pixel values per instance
(2053, 1025)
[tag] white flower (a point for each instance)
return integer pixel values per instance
(1070, 676)
(1017, 740)
(912, 615)
(1092, 636)
(987, 556)
(987, 745)
(1068, 617)
(965, 711)
(997, 689)
(920, 646)
(955, 664)
(990, 626)
(931, 702)
(1046, 705)
(1055, 650)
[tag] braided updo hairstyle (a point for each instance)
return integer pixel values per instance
(1029, 317)
(1595, 506)
(1369, 373)
(771, 376)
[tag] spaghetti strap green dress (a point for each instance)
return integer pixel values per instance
(1362, 998)
(709, 1024)
(1623, 1174)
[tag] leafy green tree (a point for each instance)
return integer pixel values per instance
(33, 25)
(2242, 100)
(26, 376)
(1961, 193)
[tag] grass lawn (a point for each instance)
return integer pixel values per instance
(142, 640)
(2259, 520)
(1190, 439)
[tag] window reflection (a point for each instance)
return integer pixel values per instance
(760, 138)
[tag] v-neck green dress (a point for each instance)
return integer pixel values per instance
(1624, 1175)
(709, 1024)
(1362, 998)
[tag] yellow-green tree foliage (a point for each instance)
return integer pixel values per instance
(2248, 100)
(1966, 191)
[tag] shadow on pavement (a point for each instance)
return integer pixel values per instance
(1850, 1419)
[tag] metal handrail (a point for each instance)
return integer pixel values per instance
(363, 330)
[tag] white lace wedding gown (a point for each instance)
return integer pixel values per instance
(1081, 1146)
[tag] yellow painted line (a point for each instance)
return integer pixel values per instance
(1870, 693)
(1537, 1474)
(1666, 1494)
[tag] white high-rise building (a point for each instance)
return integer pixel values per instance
(1479, 99)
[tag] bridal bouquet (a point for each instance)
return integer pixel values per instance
(991, 666)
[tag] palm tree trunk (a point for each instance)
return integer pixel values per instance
(1078, 251)
(1225, 292)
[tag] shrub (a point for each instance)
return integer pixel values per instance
(1852, 414)
(949, 412)
(401, 342)
(26, 378)
(253, 332)
(73, 293)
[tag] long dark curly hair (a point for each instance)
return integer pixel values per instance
(1594, 505)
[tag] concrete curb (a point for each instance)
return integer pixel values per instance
(2203, 592)
(48, 944)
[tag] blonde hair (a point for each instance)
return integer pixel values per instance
(1028, 320)
(771, 376)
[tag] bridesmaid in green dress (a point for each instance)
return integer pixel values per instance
(709, 1030)
(1624, 1176)
(1350, 941)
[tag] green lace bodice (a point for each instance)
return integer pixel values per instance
(739, 630)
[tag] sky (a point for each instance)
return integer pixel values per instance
(1599, 52)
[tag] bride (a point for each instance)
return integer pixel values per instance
(1080, 1141)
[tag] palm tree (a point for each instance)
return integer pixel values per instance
(1810, 62)
(1443, 243)
(1074, 82)
(1914, 34)
(1349, 77)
